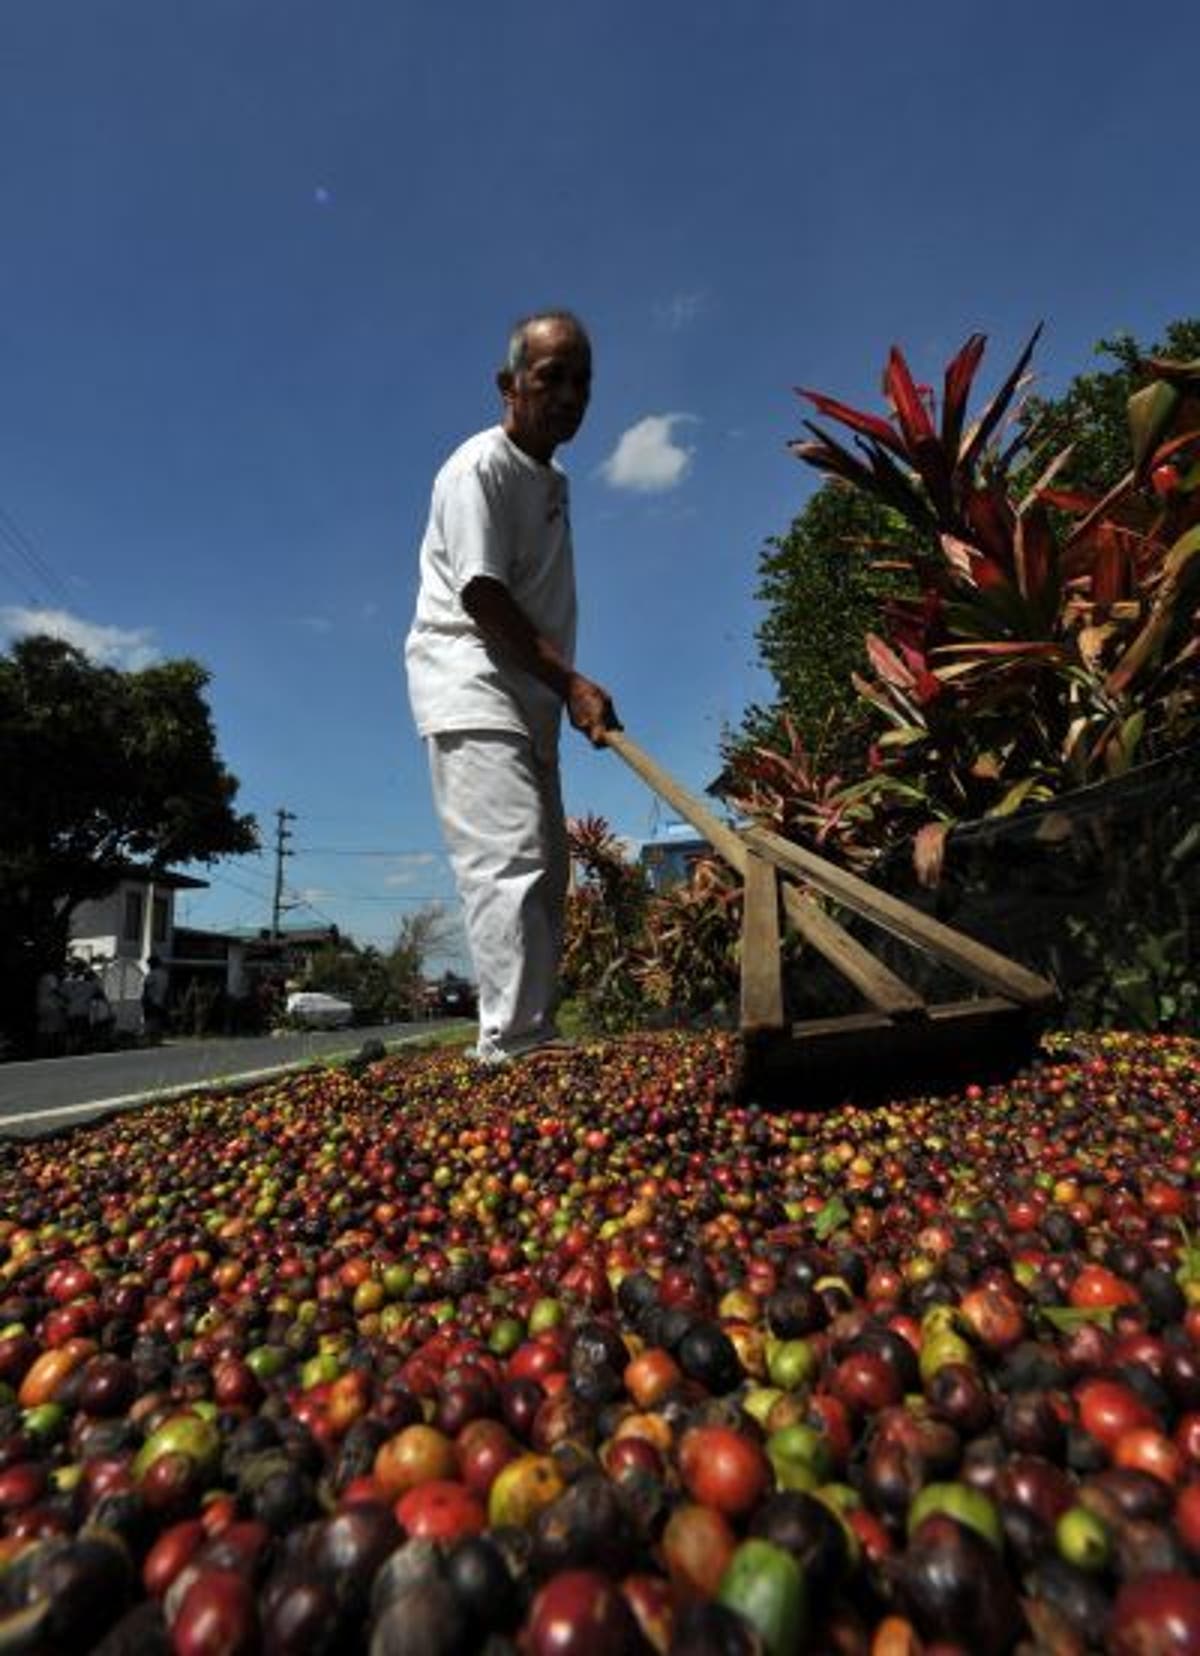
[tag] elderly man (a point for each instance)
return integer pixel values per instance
(490, 669)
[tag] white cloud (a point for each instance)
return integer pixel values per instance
(130, 648)
(647, 458)
(682, 309)
(408, 867)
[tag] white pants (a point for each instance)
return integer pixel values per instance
(500, 807)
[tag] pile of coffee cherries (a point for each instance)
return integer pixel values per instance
(577, 1356)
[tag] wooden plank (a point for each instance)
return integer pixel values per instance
(761, 973)
(723, 839)
(974, 959)
(867, 1055)
(950, 1015)
(881, 988)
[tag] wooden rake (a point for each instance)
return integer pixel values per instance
(900, 1038)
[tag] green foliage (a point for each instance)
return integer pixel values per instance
(823, 585)
(114, 767)
(1141, 980)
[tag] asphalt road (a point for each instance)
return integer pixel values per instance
(52, 1093)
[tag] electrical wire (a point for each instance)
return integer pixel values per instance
(14, 537)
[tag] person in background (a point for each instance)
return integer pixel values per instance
(103, 1020)
(80, 990)
(154, 999)
(490, 663)
(51, 1015)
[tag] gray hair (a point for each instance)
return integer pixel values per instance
(517, 354)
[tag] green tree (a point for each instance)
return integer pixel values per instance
(104, 768)
(822, 586)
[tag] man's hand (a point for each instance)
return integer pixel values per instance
(505, 625)
(590, 709)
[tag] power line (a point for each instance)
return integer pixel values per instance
(15, 537)
(354, 851)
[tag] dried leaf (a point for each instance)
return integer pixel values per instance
(960, 554)
(929, 853)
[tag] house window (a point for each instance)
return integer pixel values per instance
(135, 909)
(160, 920)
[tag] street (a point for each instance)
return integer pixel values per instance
(49, 1094)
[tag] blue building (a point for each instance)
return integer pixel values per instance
(668, 859)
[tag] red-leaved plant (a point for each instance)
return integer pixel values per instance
(1045, 639)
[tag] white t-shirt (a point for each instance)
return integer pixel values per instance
(498, 512)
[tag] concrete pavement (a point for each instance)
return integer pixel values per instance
(49, 1094)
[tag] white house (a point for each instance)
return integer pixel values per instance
(135, 920)
(118, 934)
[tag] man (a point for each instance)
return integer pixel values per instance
(490, 670)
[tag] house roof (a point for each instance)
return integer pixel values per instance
(166, 877)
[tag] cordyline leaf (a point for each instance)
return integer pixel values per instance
(1000, 650)
(956, 388)
(870, 425)
(1050, 472)
(906, 400)
(1015, 797)
(887, 700)
(896, 488)
(1112, 571)
(889, 666)
(1169, 449)
(924, 451)
(1176, 596)
(1033, 552)
(994, 412)
(903, 738)
(1150, 413)
(929, 853)
(829, 456)
(991, 521)
(1069, 500)
(1120, 750)
(1185, 374)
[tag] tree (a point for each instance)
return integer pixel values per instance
(421, 933)
(822, 594)
(114, 767)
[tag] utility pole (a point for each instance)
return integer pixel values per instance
(282, 835)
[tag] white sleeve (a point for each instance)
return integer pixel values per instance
(475, 528)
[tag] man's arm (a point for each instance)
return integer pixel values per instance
(506, 626)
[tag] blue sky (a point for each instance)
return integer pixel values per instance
(259, 262)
